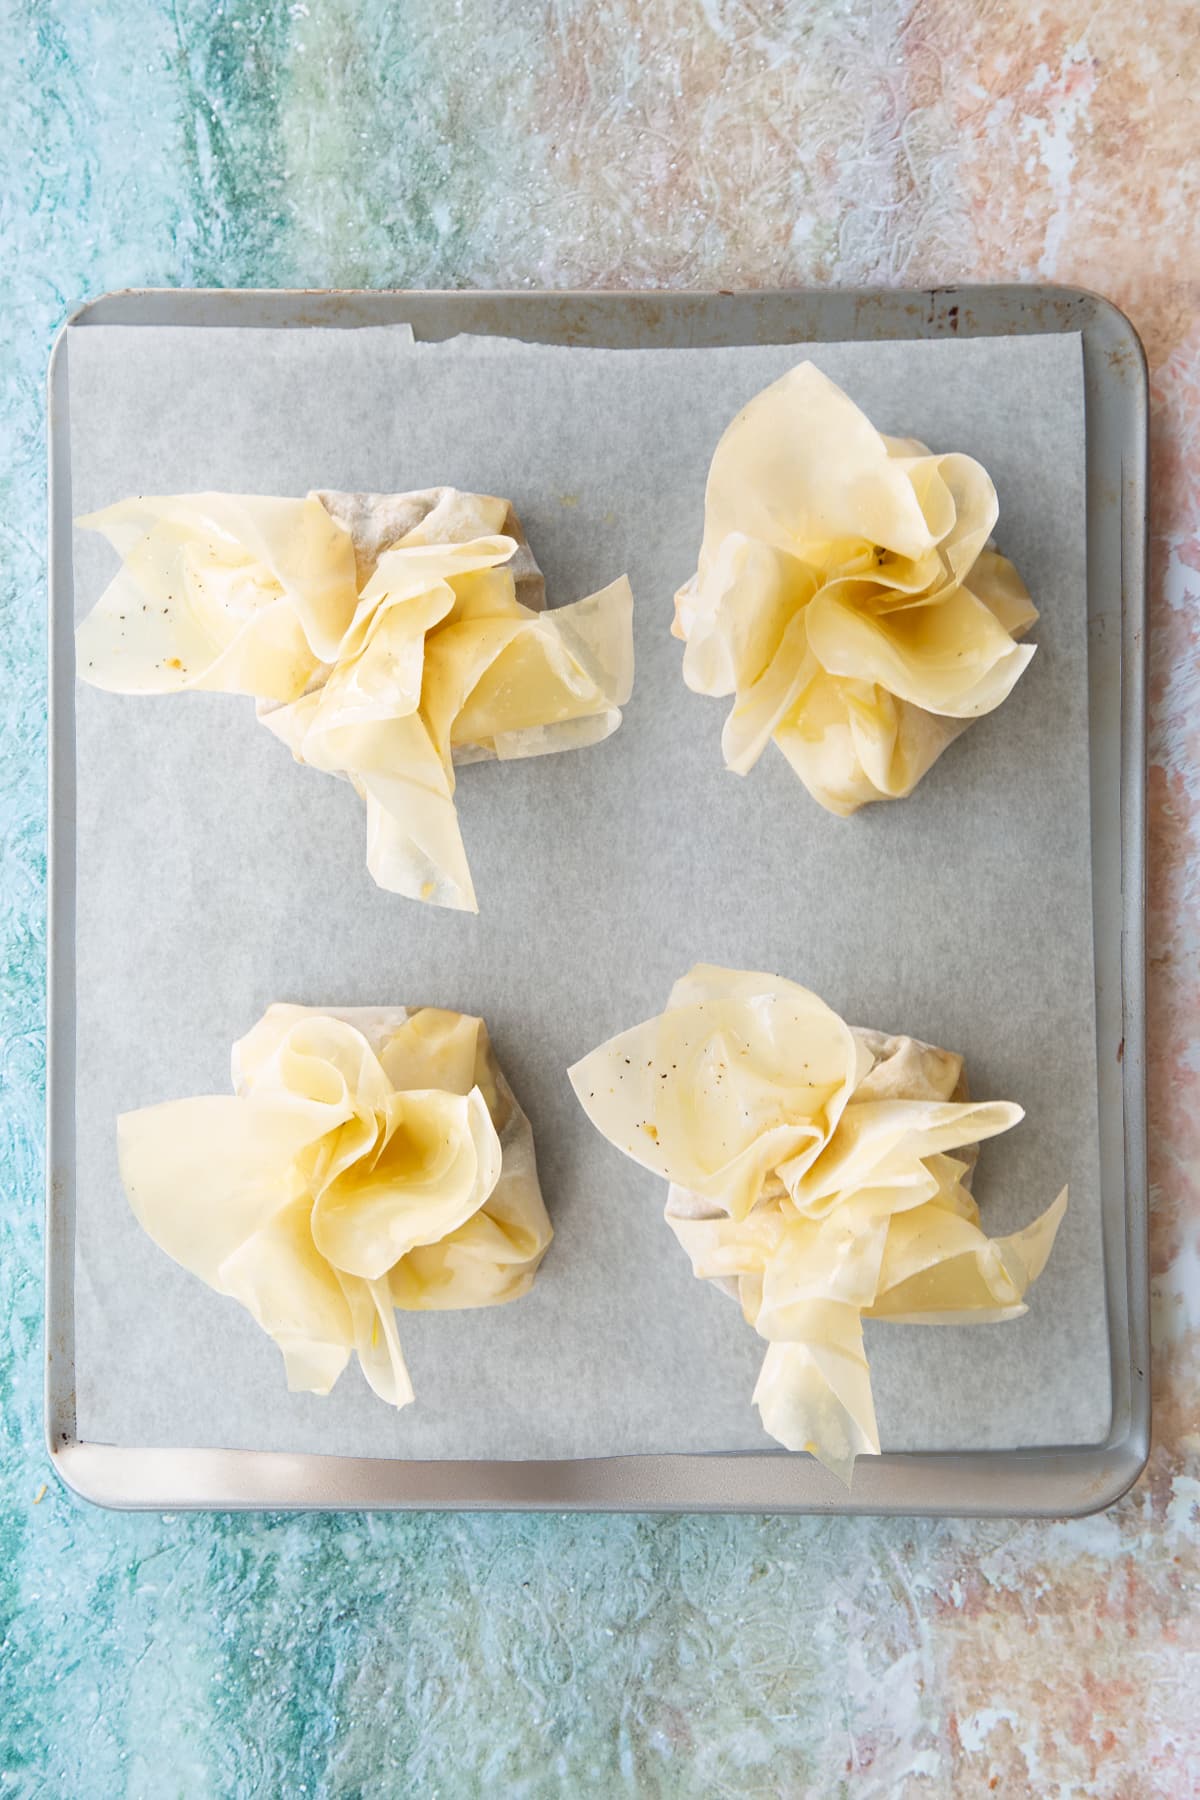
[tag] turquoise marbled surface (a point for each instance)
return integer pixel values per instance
(720, 143)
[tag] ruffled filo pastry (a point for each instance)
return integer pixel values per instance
(820, 1175)
(847, 595)
(386, 638)
(369, 1159)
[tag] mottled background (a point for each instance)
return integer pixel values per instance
(611, 143)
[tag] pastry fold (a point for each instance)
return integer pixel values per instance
(368, 1159)
(819, 1174)
(847, 595)
(385, 638)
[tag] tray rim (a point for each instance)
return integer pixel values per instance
(1069, 1481)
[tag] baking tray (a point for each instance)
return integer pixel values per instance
(1055, 1481)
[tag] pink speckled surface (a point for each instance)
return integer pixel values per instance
(706, 143)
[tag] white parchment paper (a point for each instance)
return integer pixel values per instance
(215, 876)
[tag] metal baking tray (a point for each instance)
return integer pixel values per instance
(1065, 1481)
